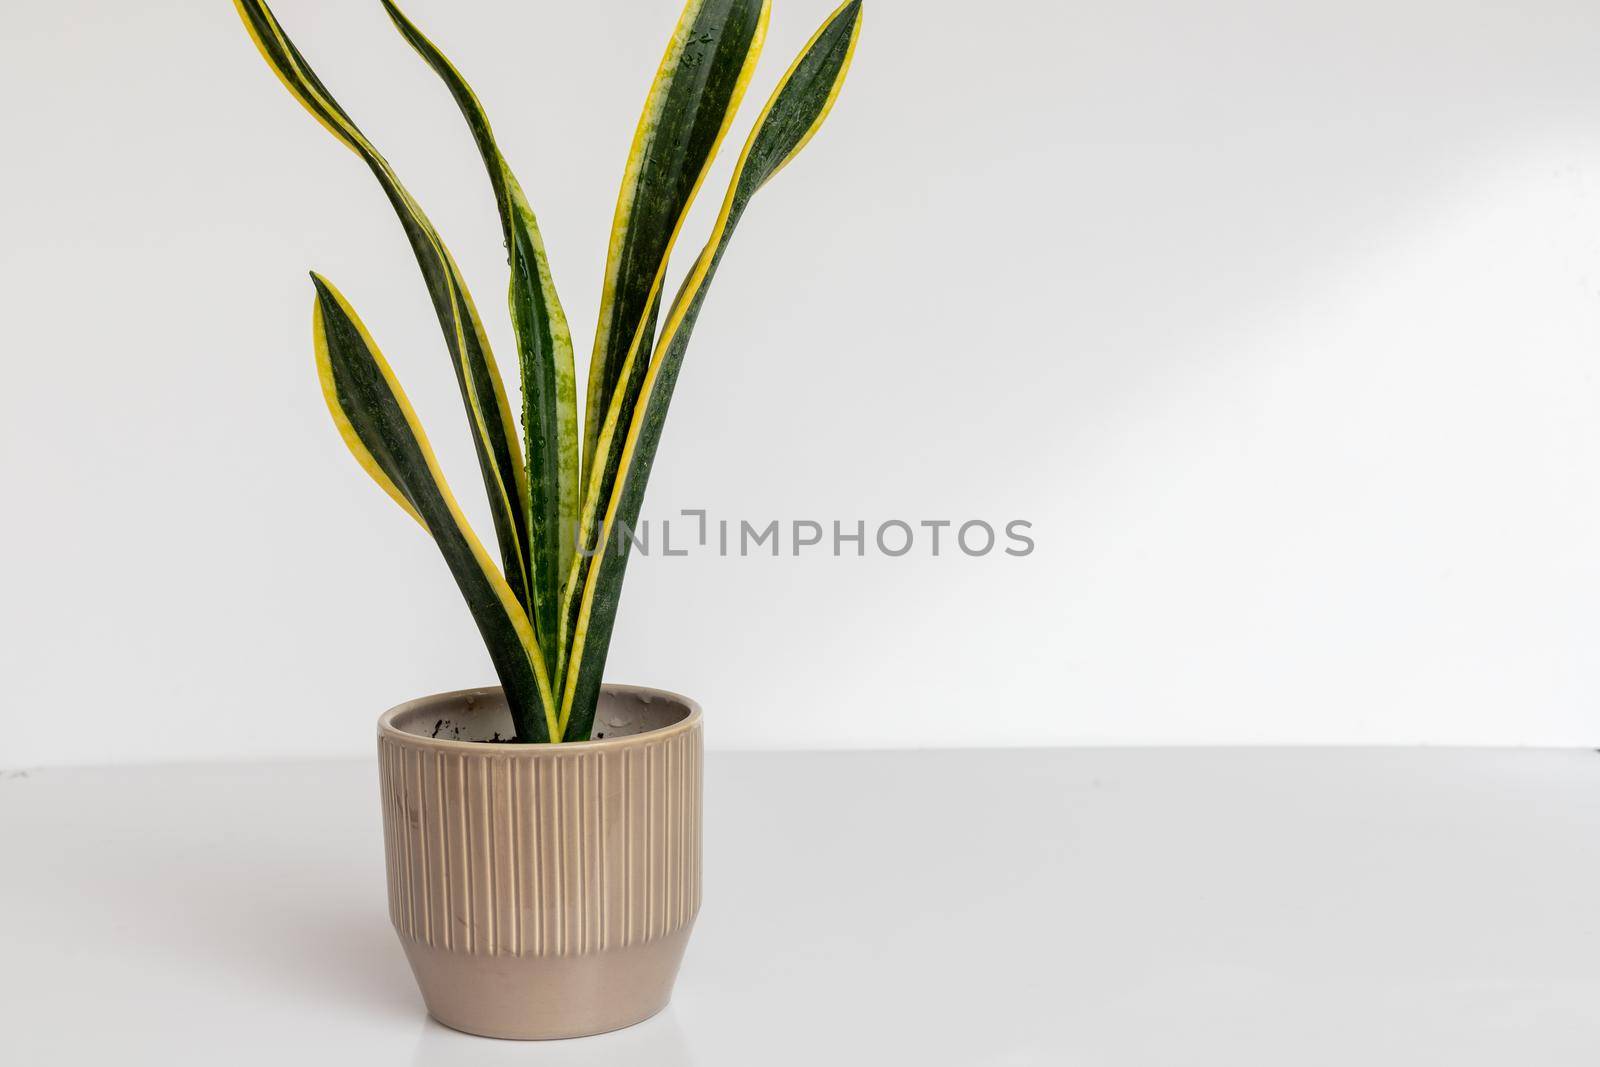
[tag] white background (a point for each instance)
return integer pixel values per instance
(1279, 322)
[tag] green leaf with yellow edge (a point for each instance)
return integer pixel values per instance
(791, 117)
(482, 391)
(696, 90)
(544, 344)
(701, 81)
(382, 431)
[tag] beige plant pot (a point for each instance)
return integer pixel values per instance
(542, 891)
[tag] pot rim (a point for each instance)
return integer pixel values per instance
(387, 728)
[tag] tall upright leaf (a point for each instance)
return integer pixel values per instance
(482, 391)
(691, 103)
(789, 120)
(381, 429)
(544, 344)
(696, 90)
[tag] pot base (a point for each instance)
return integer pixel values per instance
(538, 998)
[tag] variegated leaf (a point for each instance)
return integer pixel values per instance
(544, 343)
(700, 83)
(789, 120)
(482, 391)
(382, 431)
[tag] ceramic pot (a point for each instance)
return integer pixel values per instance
(542, 891)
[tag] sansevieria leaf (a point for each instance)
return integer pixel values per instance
(381, 429)
(702, 78)
(691, 103)
(789, 120)
(493, 430)
(544, 344)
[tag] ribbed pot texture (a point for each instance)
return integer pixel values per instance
(542, 891)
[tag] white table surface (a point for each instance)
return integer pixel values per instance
(1290, 908)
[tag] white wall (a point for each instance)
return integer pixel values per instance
(1280, 323)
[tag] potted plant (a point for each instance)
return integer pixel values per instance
(543, 837)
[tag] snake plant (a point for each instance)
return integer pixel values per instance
(558, 495)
